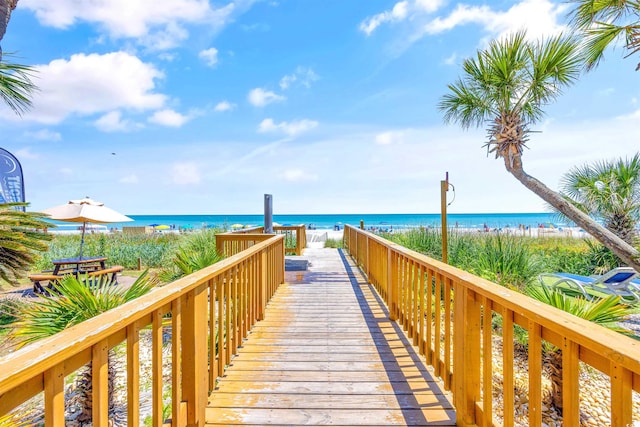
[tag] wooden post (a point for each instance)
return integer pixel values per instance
(444, 187)
(194, 355)
(362, 224)
(139, 263)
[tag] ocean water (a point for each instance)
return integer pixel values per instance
(329, 221)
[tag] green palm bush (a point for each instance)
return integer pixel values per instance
(20, 240)
(607, 312)
(74, 303)
(198, 252)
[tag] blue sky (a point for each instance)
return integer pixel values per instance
(201, 107)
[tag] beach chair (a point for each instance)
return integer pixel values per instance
(618, 281)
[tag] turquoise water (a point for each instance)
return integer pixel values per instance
(328, 221)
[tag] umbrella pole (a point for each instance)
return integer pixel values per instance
(84, 227)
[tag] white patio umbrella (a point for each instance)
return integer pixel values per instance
(84, 211)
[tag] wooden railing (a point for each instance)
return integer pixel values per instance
(208, 314)
(295, 239)
(448, 314)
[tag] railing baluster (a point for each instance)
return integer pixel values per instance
(422, 297)
(54, 396)
(447, 334)
(176, 362)
(487, 357)
(194, 360)
(428, 351)
(133, 375)
(535, 373)
(220, 328)
(100, 382)
(213, 361)
(437, 335)
(570, 383)
(228, 332)
(621, 396)
(507, 366)
(156, 368)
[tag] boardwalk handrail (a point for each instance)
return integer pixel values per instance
(211, 312)
(444, 310)
(235, 241)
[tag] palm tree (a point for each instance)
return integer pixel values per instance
(20, 240)
(6, 6)
(507, 85)
(607, 312)
(604, 23)
(609, 190)
(74, 303)
(16, 86)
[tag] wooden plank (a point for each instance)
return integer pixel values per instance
(395, 388)
(329, 401)
(326, 366)
(372, 417)
(372, 356)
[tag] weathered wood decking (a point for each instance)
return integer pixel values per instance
(327, 354)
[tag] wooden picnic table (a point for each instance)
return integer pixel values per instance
(79, 265)
(94, 271)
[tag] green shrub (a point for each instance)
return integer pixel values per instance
(506, 260)
(333, 243)
(154, 250)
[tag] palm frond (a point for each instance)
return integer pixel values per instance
(607, 312)
(16, 86)
(73, 302)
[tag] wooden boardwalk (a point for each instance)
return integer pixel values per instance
(327, 354)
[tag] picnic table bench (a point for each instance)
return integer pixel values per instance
(105, 276)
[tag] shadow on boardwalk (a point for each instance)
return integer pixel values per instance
(327, 354)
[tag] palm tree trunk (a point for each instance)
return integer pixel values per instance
(84, 384)
(6, 6)
(553, 360)
(622, 249)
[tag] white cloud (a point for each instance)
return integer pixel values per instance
(224, 106)
(298, 175)
(631, 116)
(260, 97)
(25, 153)
(89, 84)
(185, 173)
(302, 75)
(44, 135)
(428, 6)
(156, 24)
(289, 128)
(388, 138)
(451, 60)
(129, 179)
(113, 122)
(168, 117)
(209, 56)
(398, 13)
(538, 17)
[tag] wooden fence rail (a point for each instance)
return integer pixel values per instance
(295, 239)
(448, 313)
(208, 314)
